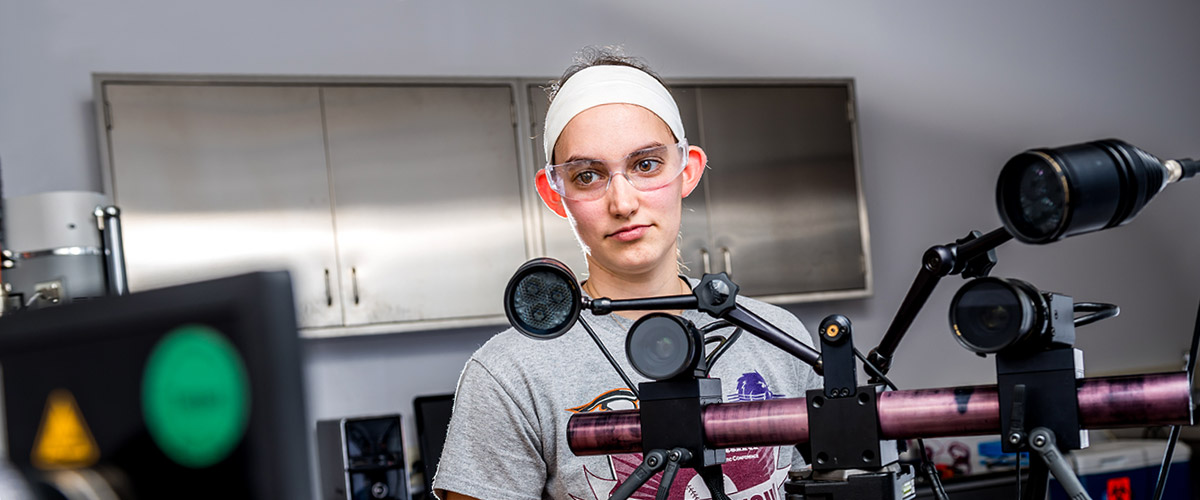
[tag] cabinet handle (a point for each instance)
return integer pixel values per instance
(328, 291)
(705, 260)
(354, 283)
(728, 261)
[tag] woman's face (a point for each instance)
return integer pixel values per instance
(625, 232)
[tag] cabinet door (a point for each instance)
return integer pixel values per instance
(783, 188)
(219, 180)
(557, 235)
(427, 197)
(694, 247)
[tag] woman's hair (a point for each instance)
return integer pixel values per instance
(600, 56)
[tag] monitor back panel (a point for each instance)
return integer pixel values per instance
(186, 392)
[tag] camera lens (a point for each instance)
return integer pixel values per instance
(1032, 196)
(990, 314)
(1042, 198)
(662, 346)
(1044, 195)
(542, 300)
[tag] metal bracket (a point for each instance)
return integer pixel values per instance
(1042, 441)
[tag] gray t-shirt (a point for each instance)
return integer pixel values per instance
(507, 437)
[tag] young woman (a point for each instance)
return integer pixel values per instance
(619, 168)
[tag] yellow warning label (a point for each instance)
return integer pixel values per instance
(63, 440)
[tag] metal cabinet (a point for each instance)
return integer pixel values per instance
(393, 206)
(428, 200)
(780, 206)
(219, 180)
(785, 215)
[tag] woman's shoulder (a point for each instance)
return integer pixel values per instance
(511, 350)
(504, 345)
(775, 315)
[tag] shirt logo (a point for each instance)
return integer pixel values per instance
(752, 387)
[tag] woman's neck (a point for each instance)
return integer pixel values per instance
(657, 283)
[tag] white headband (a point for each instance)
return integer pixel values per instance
(608, 84)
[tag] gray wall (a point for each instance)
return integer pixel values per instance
(948, 91)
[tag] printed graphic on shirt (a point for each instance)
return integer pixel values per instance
(616, 399)
(750, 473)
(752, 387)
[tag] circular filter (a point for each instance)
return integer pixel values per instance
(543, 300)
(1032, 195)
(988, 315)
(662, 346)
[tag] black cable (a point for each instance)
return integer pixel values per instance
(931, 473)
(714, 326)
(1018, 475)
(715, 480)
(1166, 465)
(1190, 167)
(613, 362)
(1191, 367)
(935, 481)
(724, 346)
(1098, 312)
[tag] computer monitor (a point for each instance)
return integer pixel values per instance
(193, 391)
(433, 418)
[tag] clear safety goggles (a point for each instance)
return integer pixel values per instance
(645, 169)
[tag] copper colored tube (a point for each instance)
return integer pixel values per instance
(1135, 401)
(1128, 401)
(954, 411)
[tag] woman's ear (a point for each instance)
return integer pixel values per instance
(550, 197)
(697, 161)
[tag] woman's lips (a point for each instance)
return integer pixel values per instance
(629, 233)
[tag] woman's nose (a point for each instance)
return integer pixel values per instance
(622, 195)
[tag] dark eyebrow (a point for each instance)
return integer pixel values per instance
(653, 147)
(646, 150)
(580, 159)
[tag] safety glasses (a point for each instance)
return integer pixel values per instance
(645, 169)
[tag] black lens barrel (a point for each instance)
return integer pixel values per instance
(989, 315)
(1105, 184)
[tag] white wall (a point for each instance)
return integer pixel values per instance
(947, 90)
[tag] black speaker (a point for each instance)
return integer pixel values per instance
(362, 458)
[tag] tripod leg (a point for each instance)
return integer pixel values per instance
(655, 460)
(1043, 443)
(674, 458)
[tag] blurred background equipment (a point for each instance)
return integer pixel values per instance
(60, 247)
(433, 420)
(193, 391)
(362, 458)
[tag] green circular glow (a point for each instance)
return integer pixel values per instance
(195, 396)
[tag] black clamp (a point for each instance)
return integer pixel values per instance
(716, 294)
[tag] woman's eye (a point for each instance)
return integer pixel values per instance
(646, 166)
(585, 177)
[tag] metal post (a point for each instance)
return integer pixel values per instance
(114, 249)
